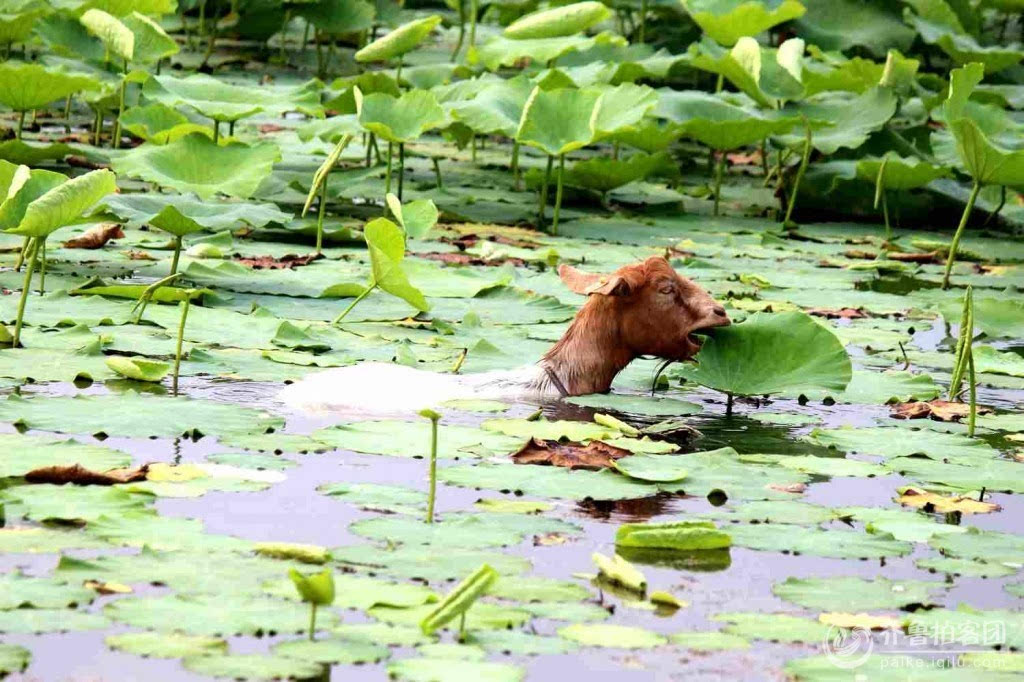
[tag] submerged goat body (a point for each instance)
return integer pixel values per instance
(641, 309)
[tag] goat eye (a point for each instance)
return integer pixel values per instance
(667, 290)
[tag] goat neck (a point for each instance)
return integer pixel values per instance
(590, 354)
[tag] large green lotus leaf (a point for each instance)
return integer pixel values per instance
(426, 563)
(338, 16)
(997, 317)
(843, 24)
(333, 651)
(717, 122)
(195, 163)
(988, 359)
(43, 364)
(657, 468)
(833, 543)
(170, 219)
(1003, 661)
(887, 667)
(453, 670)
(397, 42)
(727, 21)
(39, 621)
(151, 41)
(603, 174)
(708, 641)
(537, 589)
(375, 496)
(223, 101)
(888, 441)
(775, 511)
(819, 466)
(24, 87)
(482, 615)
(771, 353)
(900, 173)
(64, 203)
(854, 595)
(27, 154)
(47, 502)
(547, 481)
(497, 108)
(117, 38)
(853, 118)
(359, 592)
(24, 187)
(982, 545)
(253, 667)
(384, 634)
(520, 643)
(964, 624)
(405, 439)
(417, 218)
(986, 161)
(139, 209)
(501, 51)
(776, 627)
(36, 540)
(637, 405)
(403, 118)
(13, 659)
(470, 531)
(559, 21)
(18, 591)
(741, 66)
(135, 415)
(386, 244)
(166, 644)
(881, 388)
(966, 567)
(559, 121)
(969, 474)
(543, 429)
(963, 48)
(158, 123)
(613, 636)
(623, 107)
(216, 614)
(25, 453)
(143, 529)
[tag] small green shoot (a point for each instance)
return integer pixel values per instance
(316, 589)
(459, 601)
(433, 417)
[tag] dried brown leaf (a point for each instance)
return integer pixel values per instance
(940, 504)
(939, 410)
(95, 237)
(79, 475)
(839, 313)
(593, 455)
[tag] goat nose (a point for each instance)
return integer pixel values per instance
(718, 310)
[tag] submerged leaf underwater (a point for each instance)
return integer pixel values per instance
(250, 193)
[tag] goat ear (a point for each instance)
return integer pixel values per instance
(586, 283)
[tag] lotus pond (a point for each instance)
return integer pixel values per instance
(202, 201)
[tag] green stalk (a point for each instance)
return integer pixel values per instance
(387, 182)
(369, 149)
(398, 74)
(1002, 202)
(42, 265)
(431, 493)
(544, 193)
(558, 193)
(147, 295)
(21, 123)
(964, 341)
(181, 336)
(120, 110)
(21, 254)
(437, 172)
(312, 619)
(473, 11)
(401, 169)
(472, 147)
(26, 283)
(643, 20)
(320, 215)
(955, 244)
(799, 176)
(719, 171)
(231, 129)
(67, 114)
(462, 627)
(216, 130)
(357, 299)
(880, 196)
(177, 255)
(973, 383)
(462, 29)
(98, 128)
(515, 165)
(764, 157)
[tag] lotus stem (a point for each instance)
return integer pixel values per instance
(42, 265)
(462, 28)
(369, 149)
(1002, 202)
(231, 128)
(472, 147)
(963, 338)
(719, 171)
(202, 17)
(398, 74)
(21, 254)
(719, 83)
(955, 244)
(401, 169)
(322, 208)
(764, 157)
(355, 301)
(462, 627)
(544, 193)
(473, 11)
(558, 194)
(21, 124)
(432, 492)
(216, 131)
(387, 181)
(312, 620)
(515, 165)
(799, 174)
(98, 127)
(26, 283)
(728, 404)
(643, 20)
(120, 110)
(147, 295)
(305, 37)
(177, 254)
(880, 196)
(67, 114)
(181, 336)
(437, 172)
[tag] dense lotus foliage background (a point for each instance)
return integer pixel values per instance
(204, 200)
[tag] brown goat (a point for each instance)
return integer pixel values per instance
(642, 309)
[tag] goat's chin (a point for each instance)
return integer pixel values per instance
(690, 346)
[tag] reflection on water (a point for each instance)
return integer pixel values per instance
(639, 509)
(702, 561)
(899, 285)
